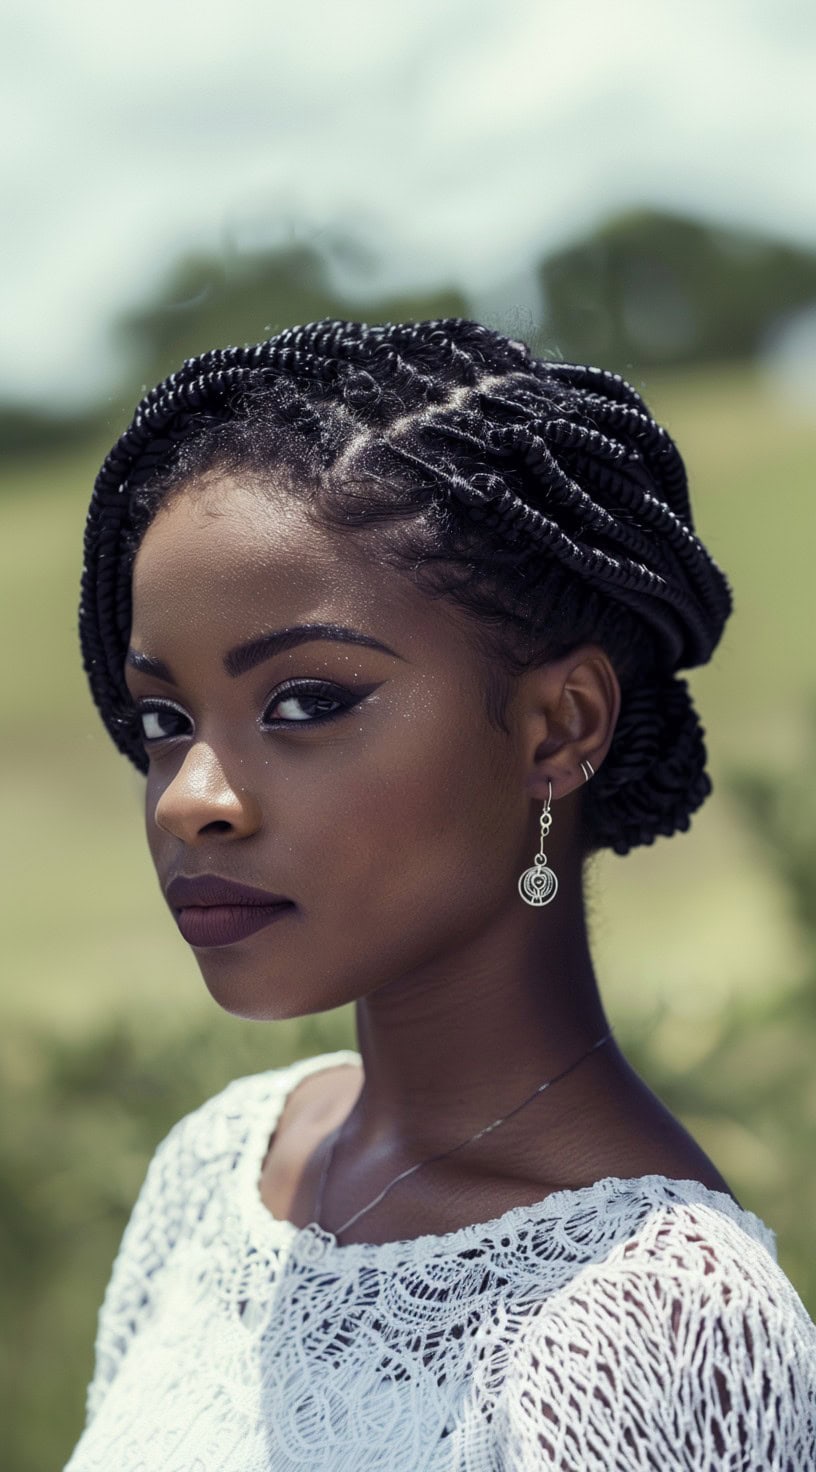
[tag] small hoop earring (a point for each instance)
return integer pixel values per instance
(587, 773)
(538, 885)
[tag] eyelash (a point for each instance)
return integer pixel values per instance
(317, 689)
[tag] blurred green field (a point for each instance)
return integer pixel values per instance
(108, 1033)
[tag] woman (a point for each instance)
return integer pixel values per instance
(390, 617)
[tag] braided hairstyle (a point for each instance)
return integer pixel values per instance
(541, 497)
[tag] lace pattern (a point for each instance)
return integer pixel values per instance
(632, 1324)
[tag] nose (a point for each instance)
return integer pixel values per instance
(201, 803)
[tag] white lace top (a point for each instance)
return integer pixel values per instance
(630, 1324)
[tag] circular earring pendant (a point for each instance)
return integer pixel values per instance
(538, 885)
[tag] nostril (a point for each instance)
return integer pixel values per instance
(218, 825)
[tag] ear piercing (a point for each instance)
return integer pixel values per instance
(538, 885)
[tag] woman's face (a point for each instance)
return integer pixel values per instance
(363, 784)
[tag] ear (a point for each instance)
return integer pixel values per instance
(567, 710)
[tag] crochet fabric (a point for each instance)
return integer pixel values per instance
(627, 1325)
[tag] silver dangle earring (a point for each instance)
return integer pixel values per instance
(538, 885)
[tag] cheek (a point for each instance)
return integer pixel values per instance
(153, 835)
(394, 854)
(414, 840)
(156, 837)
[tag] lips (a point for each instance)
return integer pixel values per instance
(210, 911)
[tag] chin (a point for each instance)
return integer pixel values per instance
(261, 998)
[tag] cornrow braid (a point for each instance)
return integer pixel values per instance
(541, 496)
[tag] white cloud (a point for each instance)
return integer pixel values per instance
(460, 138)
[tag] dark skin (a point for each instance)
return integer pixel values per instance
(399, 829)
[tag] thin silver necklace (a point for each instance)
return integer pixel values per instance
(548, 1083)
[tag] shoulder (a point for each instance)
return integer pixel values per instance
(690, 1243)
(667, 1259)
(698, 1248)
(683, 1323)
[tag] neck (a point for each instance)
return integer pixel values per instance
(460, 1043)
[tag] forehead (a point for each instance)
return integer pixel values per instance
(233, 558)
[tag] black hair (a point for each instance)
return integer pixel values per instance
(541, 497)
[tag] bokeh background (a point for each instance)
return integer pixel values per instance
(629, 185)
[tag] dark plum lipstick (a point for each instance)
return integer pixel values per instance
(218, 912)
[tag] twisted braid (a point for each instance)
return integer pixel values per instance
(542, 496)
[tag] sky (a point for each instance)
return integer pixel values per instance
(456, 139)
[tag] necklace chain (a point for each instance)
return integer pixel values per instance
(444, 1153)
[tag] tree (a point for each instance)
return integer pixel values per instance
(651, 289)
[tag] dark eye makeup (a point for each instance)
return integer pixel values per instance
(153, 714)
(161, 720)
(314, 693)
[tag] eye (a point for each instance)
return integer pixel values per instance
(308, 702)
(160, 721)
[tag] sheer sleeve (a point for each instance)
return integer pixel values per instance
(179, 1182)
(147, 1242)
(681, 1355)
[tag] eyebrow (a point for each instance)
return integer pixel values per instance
(245, 657)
